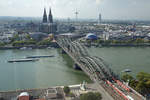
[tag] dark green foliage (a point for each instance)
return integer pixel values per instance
(45, 42)
(66, 89)
(140, 84)
(129, 41)
(126, 77)
(91, 96)
(2, 44)
(24, 43)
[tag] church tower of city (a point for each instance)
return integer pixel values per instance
(44, 16)
(50, 17)
(47, 25)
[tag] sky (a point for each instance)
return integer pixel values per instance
(109, 9)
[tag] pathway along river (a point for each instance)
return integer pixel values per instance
(58, 70)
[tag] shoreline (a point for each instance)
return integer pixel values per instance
(119, 45)
(56, 46)
(33, 47)
(127, 45)
(33, 89)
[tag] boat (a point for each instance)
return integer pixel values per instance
(22, 60)
(40, 56)
(127, 70)
(49, 47)
(25, 48)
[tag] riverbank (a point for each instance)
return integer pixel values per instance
(31, 46)
(125, 45)
(116, 45)
(55, 93)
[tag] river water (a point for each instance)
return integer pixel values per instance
(44, 73)
(58, 70)
(119, 58)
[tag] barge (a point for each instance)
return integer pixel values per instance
(22, 60)
(39, 56)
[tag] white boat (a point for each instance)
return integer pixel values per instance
(49, 47)
(25, 48)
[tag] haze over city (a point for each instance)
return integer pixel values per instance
(110, 9)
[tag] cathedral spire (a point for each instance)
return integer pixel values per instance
(44, 16)
(50, 16)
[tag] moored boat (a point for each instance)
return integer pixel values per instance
(22, 60)
(40, 56)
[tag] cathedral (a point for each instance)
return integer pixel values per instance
(47, 25)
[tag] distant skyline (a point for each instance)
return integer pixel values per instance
(109, 9)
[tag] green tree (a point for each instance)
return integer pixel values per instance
(141, 87)
(126, 77)
(15, 37)
(143, 76)
(107, 42)
(91, 96)
(100, 41)
(66, 89)
(28, 37)
(24, 43)
(45, 42)
(133, 83)
(2, 44)
(139, 41)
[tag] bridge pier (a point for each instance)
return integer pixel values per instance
(76, 66)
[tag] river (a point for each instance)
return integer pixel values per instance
(44, 73)
(119, 58)
(58, 70)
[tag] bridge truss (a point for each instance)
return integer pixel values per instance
(95, 67)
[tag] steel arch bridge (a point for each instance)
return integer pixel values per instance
(96, 68)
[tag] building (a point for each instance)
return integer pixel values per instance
(51, 94)
(23, 96)
(47, 25)
(91, 36)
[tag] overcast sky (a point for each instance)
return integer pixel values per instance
(110, 9)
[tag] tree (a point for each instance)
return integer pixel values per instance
(24, 43)
(91, 96)
(2, 44)
(141, 87)
(28, 37)
(141, 84)
(15, 37)
(107, 42)
(45, 42)
(66, 89)
(143, 76)
(133, 83)
(126, 77)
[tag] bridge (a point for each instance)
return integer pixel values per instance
(98, 70)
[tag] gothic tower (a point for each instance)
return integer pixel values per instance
(44, 16)
(50, 16)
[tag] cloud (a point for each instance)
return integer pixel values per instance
(110, 9)
(98, 2)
